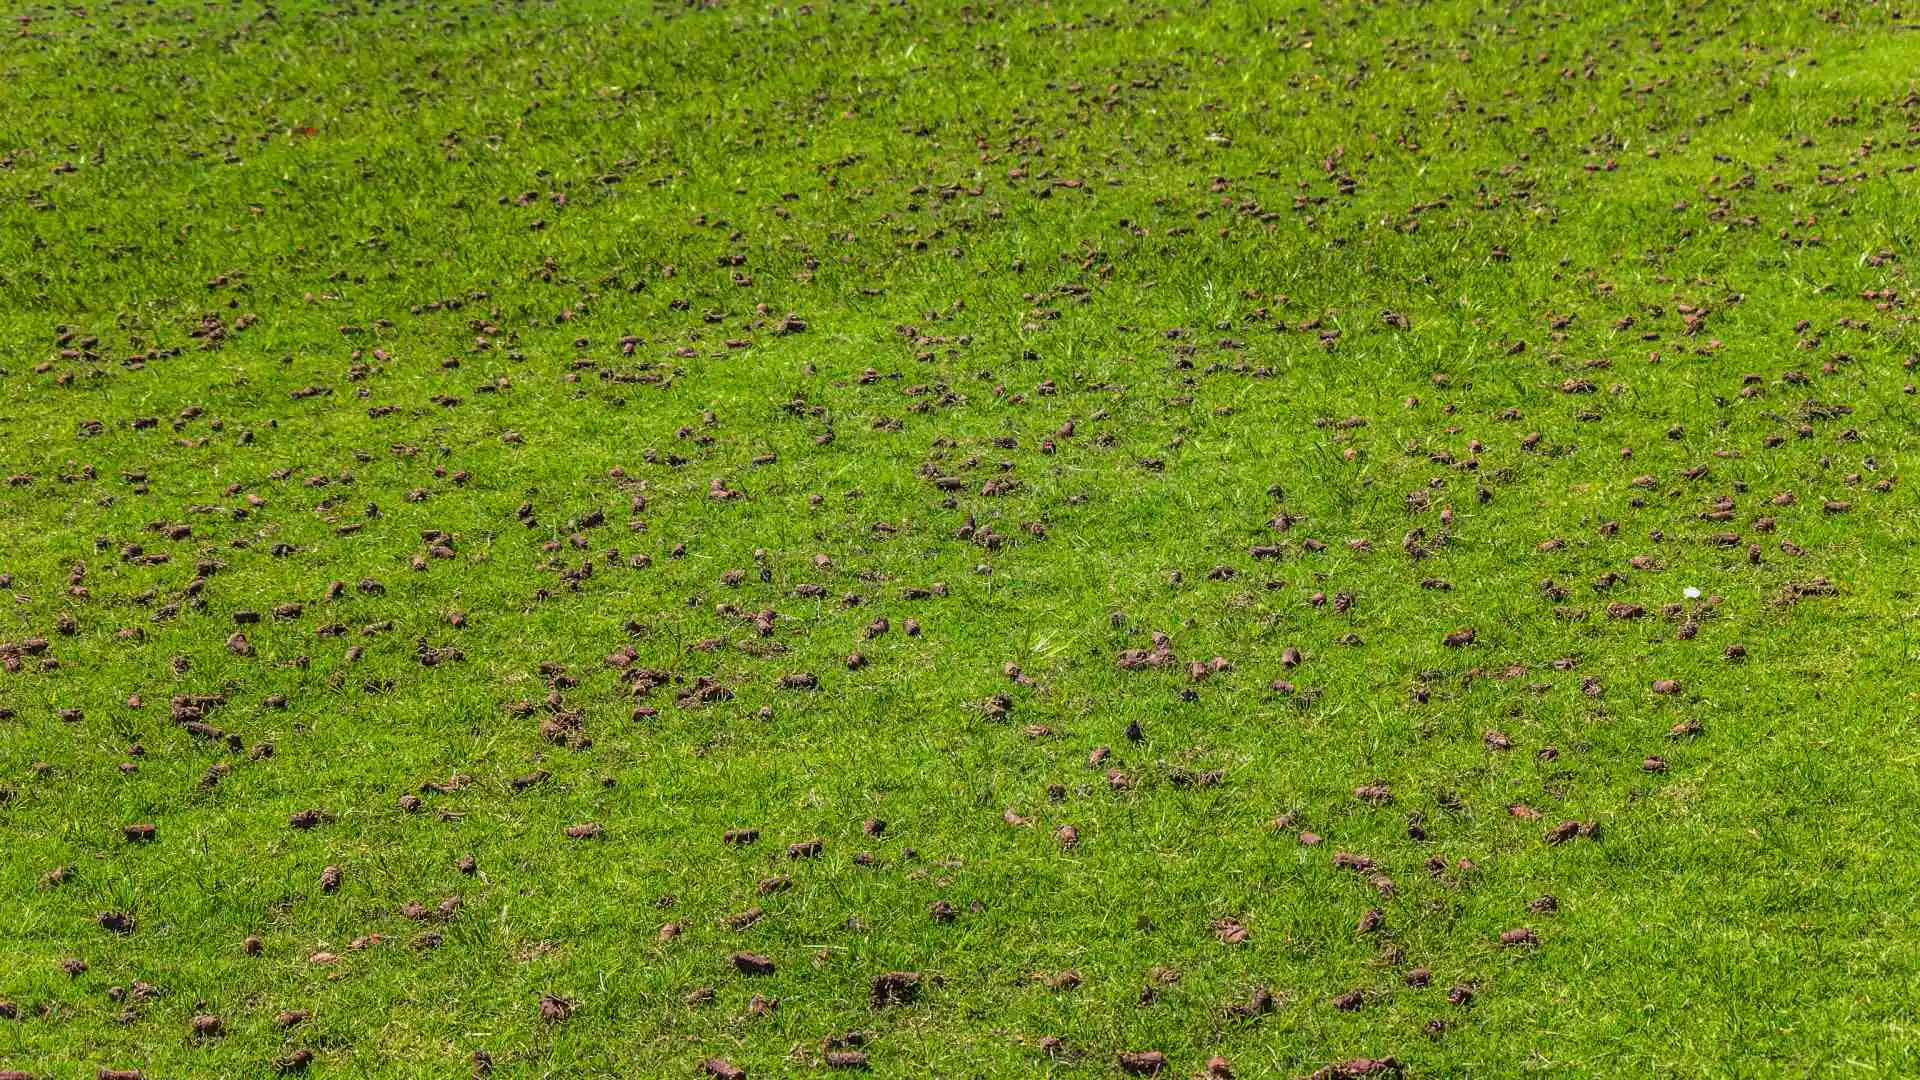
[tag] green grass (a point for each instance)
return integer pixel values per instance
(993, 220)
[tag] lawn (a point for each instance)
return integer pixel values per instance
(988, 539)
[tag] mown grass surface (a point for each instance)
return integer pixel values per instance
(1340, 331)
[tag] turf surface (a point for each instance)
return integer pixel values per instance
(1325, 535)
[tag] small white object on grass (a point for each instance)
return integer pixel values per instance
(1690, 593)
